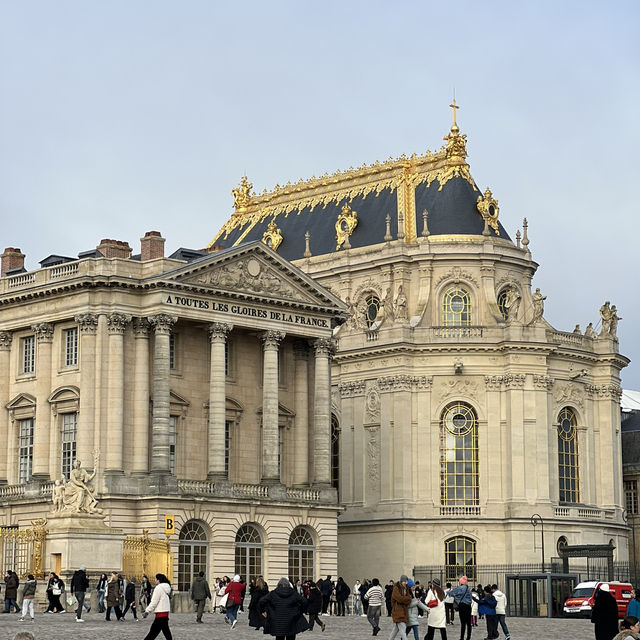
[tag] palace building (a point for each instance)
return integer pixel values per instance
(196, 387)
(458, 412)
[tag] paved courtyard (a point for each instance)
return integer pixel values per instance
(184, 627)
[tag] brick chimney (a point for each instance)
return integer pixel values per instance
(114, 248)
(12, 258)
(151, 246)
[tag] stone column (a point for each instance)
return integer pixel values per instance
(301, 403)
(322, 413)
(116, 326)
(140, 440)
(270, 435)
(42, 426)
(88, 327)
(217, 400)
(161, 324)
(5, 353)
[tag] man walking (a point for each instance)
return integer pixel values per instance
(79, 586)
(501, 610)
(199, 593)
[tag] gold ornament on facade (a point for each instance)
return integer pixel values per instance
(347, 222)
(488, 208)
(272, 236)
(242, 194)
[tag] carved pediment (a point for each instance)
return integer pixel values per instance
(254, 271)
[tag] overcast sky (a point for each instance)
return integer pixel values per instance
(126, 116)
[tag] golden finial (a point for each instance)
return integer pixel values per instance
(242, 194)
(454, 107)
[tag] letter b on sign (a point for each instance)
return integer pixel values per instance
(169, 525)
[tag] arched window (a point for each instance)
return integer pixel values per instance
(460, 558)
(248, 552)
(372, 306)
(193, 552)
(456, 307)
(459, 455)
(335, 452)
(502, 303)
(568, 471)
(301, 555)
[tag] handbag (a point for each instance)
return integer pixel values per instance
(223, 600)
(57, 591)
(433, 603)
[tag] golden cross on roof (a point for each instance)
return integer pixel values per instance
(454, 106)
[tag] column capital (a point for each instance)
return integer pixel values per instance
(43, 331)
(162, 322)
(117, 322)
(141, 328)
(5, 340)
(88, 322)
(325, 346)
(272, 339)
(218, 331)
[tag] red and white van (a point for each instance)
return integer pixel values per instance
(580, 602)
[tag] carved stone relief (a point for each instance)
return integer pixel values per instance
(456, 274)
(569, 393)
(447, 388)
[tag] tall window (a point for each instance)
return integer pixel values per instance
(69, 431)
(372, 306)
(25, 449)
(568, 472)
(631, 496)
(193, 549)
(301, 555)
(248, 552)
(459, 455)
(460, 558)
(71, 347)
(173, 438)
(28, 354)
(456, 307)
(335, 452)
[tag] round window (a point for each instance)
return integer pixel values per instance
(457, 304)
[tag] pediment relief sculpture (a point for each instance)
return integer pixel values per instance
(252, 276)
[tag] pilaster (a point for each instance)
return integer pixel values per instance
(301, 403)
(42, 426)
(322, 412)
(270, 436)
(87, 326)
(141, 391)
(6, 339)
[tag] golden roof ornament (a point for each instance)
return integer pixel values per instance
(242, 194)
(272, 236)
(347, 222)
(488, 208)
(455, 153)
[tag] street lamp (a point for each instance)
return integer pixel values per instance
(536, 519)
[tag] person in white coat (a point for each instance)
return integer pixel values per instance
(437, 615)
(161, 605)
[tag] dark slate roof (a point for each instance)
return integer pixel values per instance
(54, 259)
(188, 254)
(452, 210)
(320, 223)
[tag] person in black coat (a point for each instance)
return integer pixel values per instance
(342, 593)
(388, 590)
(257, 590)
(605, 614)
(314, 605)
(282, 609)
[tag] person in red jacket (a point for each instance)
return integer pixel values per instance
(235, 589)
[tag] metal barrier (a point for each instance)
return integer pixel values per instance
(145, 556)
(22, 549)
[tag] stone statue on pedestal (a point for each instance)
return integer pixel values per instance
(77, 495)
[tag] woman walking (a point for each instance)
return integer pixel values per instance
(282, 609)
(161, 605)
(257, 590)
(235, 591)
(437, 612)
(415, 606)
(145, 592)
(342, 593)
(101, 589)
(55, 588)
(314, 606)
(113, 596)
(375, 599)
(400, 599)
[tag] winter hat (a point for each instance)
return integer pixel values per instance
(410, 583)
(604, 587)
(463, 580)
(436, 582)
(83, 568)
(236, 578)
(403, 578)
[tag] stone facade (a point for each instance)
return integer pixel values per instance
(196, 389)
